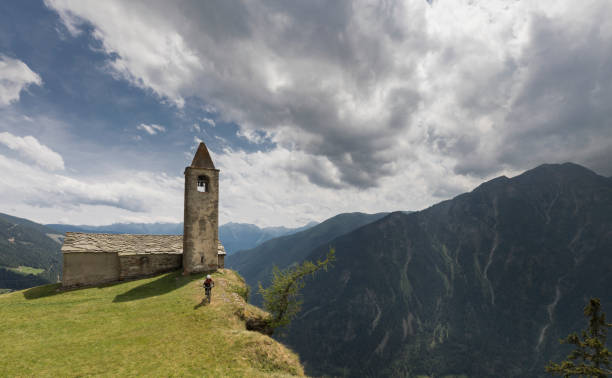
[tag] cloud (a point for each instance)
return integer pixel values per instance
(151, 129)
(15, 76)
(276, 187)
(159, 52)
(30, 148)
(363, 90)
(109, 196)
(210, 122)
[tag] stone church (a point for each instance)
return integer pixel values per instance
(92, 259)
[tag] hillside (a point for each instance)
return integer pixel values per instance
(482, 285)
(148, 327)
(29, 253)
(255, 265)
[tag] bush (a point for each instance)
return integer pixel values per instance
(281, 297)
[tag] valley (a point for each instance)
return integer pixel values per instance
(483, 284)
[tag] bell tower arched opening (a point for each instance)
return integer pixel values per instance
(203, 184)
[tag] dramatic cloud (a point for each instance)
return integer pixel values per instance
(360, 86)
(151, 129)
(15, 76)
(30, 148)
(309, 108)
(276, 187)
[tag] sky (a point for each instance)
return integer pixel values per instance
(308, 108)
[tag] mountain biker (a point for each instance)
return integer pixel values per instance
(208, 285)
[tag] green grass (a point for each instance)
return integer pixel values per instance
(26, 270)
(4, 291)
(150, 327)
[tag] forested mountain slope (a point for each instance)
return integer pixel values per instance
(28, 244)
(484, 284)
(255, 265)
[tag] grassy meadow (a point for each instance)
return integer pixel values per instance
(149, 327)
(26, 270)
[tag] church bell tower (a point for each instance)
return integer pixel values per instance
(201, 220)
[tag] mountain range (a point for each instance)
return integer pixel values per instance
(482, 285)
(123, 228)
(30, 252)
(239, 236)
(234, 236)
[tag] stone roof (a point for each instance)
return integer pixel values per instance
(202, 158)
(125, 244)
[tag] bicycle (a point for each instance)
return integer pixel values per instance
(207, 291)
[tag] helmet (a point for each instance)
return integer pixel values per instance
(208, 276)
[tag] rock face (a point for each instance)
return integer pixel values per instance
(484, 284)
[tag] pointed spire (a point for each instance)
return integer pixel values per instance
(202, 158)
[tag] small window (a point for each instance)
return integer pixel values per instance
(203, 184)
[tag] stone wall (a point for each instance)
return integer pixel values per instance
(93, 259)
(90, 268)
(137, 265)
(201, 221)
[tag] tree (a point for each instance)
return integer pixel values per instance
(281, 298)
(591, 355)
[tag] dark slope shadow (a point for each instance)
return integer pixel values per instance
(42, 291)
(162, 285)
(56, 289)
